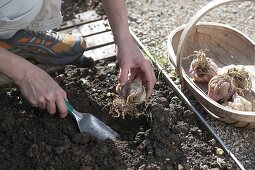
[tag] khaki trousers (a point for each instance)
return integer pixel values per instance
(34, 15)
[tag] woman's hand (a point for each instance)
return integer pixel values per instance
(131, 60)
(37, 86)
(132, 63)
(42, 91)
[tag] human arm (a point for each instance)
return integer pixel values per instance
(35, 84)
(131, 60)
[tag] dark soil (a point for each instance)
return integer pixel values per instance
(161, 137)
(70, 8)
(164, 135)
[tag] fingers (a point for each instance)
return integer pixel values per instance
(41, 90)
(58, 102)
(123, 75)
(61, 105)
(42, 103)
(51, 105)
(64, 95)
(149, 77)
(53, 102)
(144, 69)
(133, 73)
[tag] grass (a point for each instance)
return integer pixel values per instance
(164, 62)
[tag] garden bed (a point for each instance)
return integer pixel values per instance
(161, 135)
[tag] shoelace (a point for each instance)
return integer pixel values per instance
(47, 35)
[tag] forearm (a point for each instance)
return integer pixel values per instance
(117, 16)
(13, 66)
(131, 60)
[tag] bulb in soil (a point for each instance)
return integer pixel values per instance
(202, 68)
(239, 103)
(133, 91)
(221, 88)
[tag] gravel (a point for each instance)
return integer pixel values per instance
(152, 21)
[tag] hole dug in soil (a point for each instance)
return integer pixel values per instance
(160, 135)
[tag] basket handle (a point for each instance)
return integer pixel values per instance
(190, 25)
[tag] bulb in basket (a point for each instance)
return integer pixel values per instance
(239, 103)
(241, 77)
(202, 68)
(221, 88)
(231, 83)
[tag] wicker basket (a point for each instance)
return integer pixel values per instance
(226, 46)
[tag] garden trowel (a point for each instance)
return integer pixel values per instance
(90, 124)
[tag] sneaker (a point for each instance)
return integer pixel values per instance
(46, 47)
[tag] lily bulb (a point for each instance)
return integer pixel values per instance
(239, 103)
(241, 78)
(133, 91)
(202, 68)
(220, 88)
